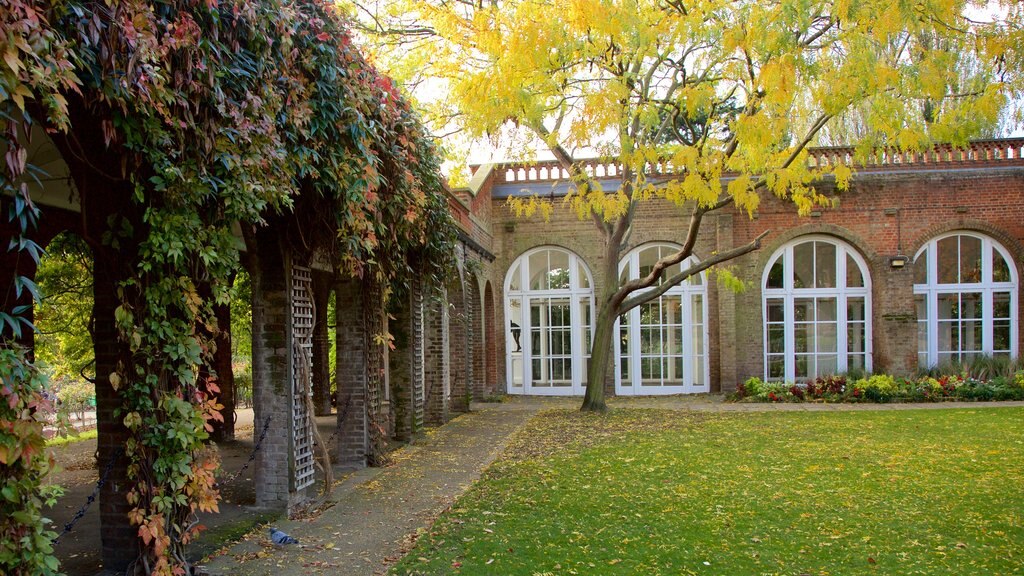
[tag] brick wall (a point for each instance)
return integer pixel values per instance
(883, 213)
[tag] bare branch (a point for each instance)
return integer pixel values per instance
(676, 279)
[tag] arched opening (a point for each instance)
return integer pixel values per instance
(490, 342)
(549, 311)
(662, 346)
(965, 289)
(817, 310)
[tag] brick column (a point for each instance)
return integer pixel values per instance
(894, 335)
(119, 539)
(459, 348)
(350, 342)
(271, 378)
(722, 315)
(407, 364)
(321, 343)
(435, 350)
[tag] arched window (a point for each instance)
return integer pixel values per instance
(663, 345)
(965, 288)
(817, 310)
(549, 307)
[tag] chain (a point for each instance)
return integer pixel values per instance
(252, 456)
(92, 497)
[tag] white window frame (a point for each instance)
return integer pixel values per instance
(576, 294)
(685, 292)
(932, 289)
(841, 293)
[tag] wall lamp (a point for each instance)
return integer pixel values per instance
(898, 261)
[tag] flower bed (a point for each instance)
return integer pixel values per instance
(884, 388)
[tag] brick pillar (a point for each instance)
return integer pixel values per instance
(894, 337)
(407, 364)
(722, 317)
(321, 344)
(119, 539)
(350, 374)
(271, 378)
(435, 351)
(459, 348)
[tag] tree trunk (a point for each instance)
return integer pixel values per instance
(601, 354)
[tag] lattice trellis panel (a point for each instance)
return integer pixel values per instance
(302, 374)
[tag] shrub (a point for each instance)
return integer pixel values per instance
(75, 397)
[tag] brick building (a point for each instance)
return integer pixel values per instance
(917, 264)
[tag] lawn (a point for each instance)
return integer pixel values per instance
(658, 492)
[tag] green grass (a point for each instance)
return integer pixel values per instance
(655, 492)
(62, 440)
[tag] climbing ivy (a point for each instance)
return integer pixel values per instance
(221, 112)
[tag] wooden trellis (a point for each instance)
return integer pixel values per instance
(302, 374)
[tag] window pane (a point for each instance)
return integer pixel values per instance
(826, 310)
(803, 336)
(854, 279)
(826, 338)
(1001, 336)
(698, 371)
(803, 309)
(948, 260)
(697, 314)
(581, 273)
(515, 283)
(1001, 305)
(854, 309)
(970, 260)
(648, 257)
(776, 367)
(776, 276)
(804, 366)
(970, 305)
(776, 311)
(558, 274)
(538, 270)
(825, 365)
(1000, 268)
(970, 335)
(776, 339)
(922, 327)
(921, 268)
(803, 265)
(825, 265)
(949, 306)
(855, 337)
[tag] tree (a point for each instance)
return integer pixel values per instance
(699, 89)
